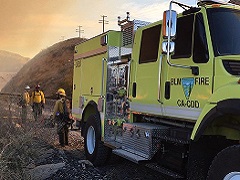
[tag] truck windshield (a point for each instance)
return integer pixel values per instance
(224, 27)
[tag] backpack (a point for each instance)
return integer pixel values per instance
(64, 118)
(34, 94)
(66, 114)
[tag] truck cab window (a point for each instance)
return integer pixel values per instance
(224, 25)
(150, 44)
(183, 41)
(200, 50)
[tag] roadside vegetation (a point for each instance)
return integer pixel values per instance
(19, 146)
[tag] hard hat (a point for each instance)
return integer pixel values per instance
(61, 92)
(27, 88)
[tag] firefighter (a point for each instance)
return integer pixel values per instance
(24, 102)
(62, 116)
(37, 101)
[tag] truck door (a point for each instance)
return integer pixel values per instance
(144, 70)
(185, 94)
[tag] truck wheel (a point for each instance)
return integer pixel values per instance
(226, 165)
(95, 151)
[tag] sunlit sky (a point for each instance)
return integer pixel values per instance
(29, 26)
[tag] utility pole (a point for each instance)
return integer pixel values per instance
(103, 21)
(79, 30)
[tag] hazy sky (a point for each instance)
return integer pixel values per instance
(28, 26)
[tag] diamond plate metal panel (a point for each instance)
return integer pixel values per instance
(113, 53)
(139, 138)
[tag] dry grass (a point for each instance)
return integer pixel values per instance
(19, 146)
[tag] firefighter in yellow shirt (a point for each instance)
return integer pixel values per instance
(25, 100)
(62, 116)
(37, 101)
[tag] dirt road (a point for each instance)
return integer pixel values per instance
(76, 167)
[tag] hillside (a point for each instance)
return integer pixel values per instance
(235, 2)
(5, 77)
(10, 64)
(51, 68)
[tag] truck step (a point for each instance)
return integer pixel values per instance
(162, 170)
(129, 156)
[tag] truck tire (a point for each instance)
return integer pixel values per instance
(226, 165)
(94, 149)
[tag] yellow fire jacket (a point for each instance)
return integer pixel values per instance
(37, 97)
(26, 98)
(59, 107)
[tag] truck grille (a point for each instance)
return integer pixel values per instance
(232, 67)
(128, 35)
(129, 30)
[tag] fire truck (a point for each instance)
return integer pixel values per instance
(164, 94)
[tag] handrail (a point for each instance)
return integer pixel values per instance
(194, 69)
(103, 72)
(159, 79)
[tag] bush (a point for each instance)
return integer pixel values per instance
(18, 148)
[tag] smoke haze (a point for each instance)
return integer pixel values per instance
(29, 26)
(25, 24)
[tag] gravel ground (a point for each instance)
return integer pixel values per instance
(71, 159)
(77, 167)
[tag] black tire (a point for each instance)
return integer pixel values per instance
(227, 161)
(95, 151)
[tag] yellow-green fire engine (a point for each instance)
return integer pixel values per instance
(166, 94)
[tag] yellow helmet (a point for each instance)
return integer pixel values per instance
(61, 92)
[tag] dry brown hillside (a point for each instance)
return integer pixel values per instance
(235, 2)
(10, 64)
(51, 68)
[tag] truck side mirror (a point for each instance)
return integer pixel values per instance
(169, 24)
(165, 47)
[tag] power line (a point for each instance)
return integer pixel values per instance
(103, 21)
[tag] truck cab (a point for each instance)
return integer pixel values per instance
(169, 98)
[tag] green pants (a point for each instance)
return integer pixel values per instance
(37, 110)
(24, 114)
